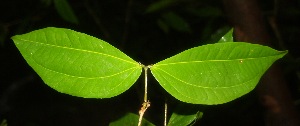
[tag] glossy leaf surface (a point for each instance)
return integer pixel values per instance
(228, 37)
(223, 34)
(76, 63)
(215, 73)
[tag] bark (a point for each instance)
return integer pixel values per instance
(249, 25)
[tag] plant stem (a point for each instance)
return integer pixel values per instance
(146, 83)
(166, 109)
(146, 103)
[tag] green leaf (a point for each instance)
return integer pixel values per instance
(215, 73)
(228, 37)
(3, 123)
(217, 35)
(184, 115)
(65, 11)
(77, 64)
(184, 120)
(130, 119)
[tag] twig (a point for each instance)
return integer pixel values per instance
(146, 103)
(166, 109)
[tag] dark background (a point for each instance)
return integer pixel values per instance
(148, 31)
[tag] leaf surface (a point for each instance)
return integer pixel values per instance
(130, 119)
(228, 37)
(185, 115)
(215, 73)
(223, 34)
(77, 64)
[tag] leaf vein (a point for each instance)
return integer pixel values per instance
(84, 77)
(121, 82)
(198, 86)
(82, 50)
(200, 61)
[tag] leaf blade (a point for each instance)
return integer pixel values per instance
(185, 115)
(130, 119)
(228, 37)
(214, 73)
(76, 63)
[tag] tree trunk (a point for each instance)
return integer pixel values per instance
(249, 25)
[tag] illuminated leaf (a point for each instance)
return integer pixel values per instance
(76, 63)
(215, 73)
